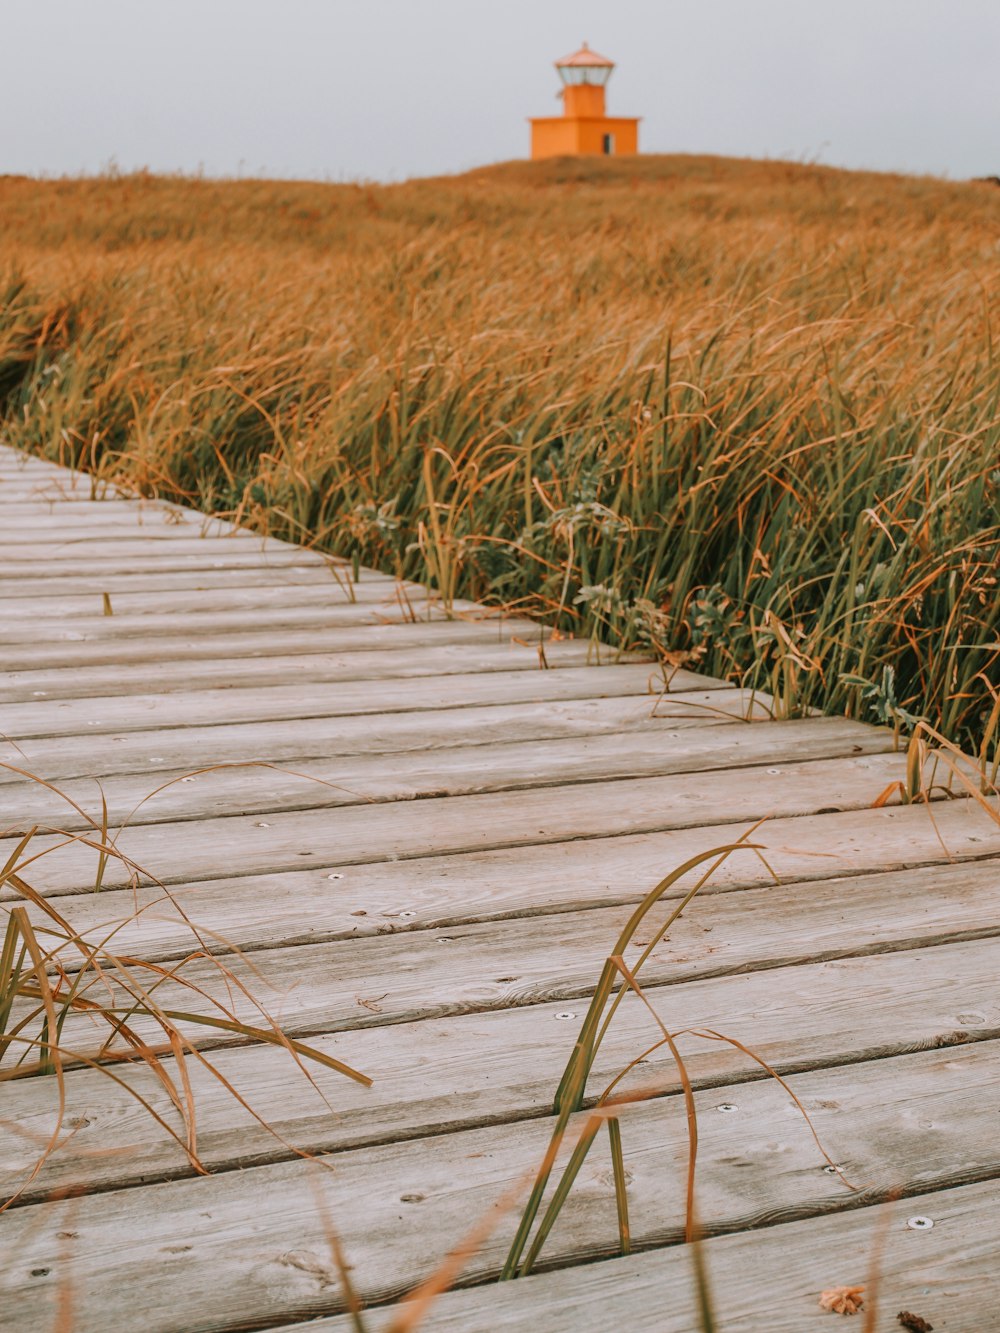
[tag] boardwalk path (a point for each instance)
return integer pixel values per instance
(438, 917)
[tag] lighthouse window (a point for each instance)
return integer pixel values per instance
(609, 143)
(598, 74)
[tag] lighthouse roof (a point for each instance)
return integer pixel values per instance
(585, 59)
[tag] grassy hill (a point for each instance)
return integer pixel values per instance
(745, 412)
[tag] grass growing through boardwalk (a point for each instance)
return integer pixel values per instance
(745, 412)
(72, 1002)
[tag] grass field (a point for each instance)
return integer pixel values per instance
(745, 413)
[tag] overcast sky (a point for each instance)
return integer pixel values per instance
(385, 89)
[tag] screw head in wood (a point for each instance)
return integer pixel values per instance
(919, 1223)
(727, 1108)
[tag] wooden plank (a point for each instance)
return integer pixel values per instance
(15, 492)
(241, 580)
(50, 522)
(198, 1254)
(106, 509)
(375, 665)
(573, 815)
(17, 458)
(161, 546)
(35, 482)
(137, 528)
(114, 517)
(311, 906)
(435, 1075)
(206, 556)
(400, 636)
(142, 605)
(424, 974)
(947, 1275)
(264, 910)
(16, 464)
(644, 747)
(159, 713)
(142, 631)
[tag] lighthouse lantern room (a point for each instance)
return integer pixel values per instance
(584, 128)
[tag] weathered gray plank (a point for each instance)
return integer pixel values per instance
(15, 491)
(250, 1247)
(205, 556)
(150, 548)
(137, 528)
(142, 631)
(15, 464)
(401, 636)
(375, 665)
(114, 518)
(202, 714)
(410, 829)
(771, 1278)
(239, 579)
(424, 974)
(642, 747)
(310, 906)
(481, 1065)
(105, 509)
(141, 605)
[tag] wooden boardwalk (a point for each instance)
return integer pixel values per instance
(426, 885)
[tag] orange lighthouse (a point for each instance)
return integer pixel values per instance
(584, 126)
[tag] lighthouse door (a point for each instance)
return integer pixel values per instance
(609, 144)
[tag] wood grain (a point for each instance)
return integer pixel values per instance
(176, 852)
(182, 646)
(135, 605)
(392, 699)
(764, 1279)
(138, 630)
(464, 1063)
(186, 674)
(250, 1246)
(551, 755)
(310, 906)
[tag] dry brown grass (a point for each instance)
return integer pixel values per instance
(746, 411)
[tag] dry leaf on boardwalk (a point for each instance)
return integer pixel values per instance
(914, 1322)
(842, 1300)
